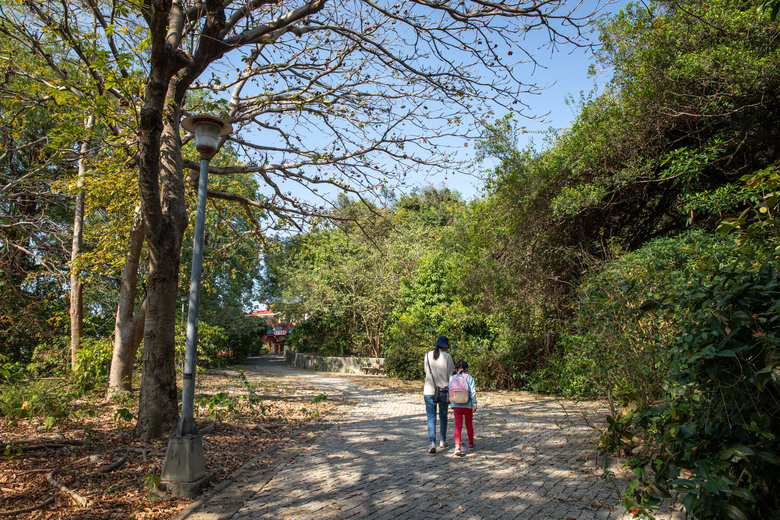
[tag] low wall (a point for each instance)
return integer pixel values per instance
(349, 365)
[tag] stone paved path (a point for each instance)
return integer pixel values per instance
(534, 460)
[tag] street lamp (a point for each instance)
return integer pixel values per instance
(184, 469)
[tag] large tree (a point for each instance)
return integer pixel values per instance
(346, 94)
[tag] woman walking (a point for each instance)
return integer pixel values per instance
(438, 367)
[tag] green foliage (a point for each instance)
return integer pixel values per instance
(428, 306)
(345, 284)
(685, 114)
(44, 400)
(123, 414)
(758, 226)
(566, 372)
(644, 164)
(11, 373)
(612, 346)
(405, 361)
(240, 336)
(210, 341)
(152, 482)
(93, 361)
(218, 404)
(324, 334)
(770, 6)
(715, 435)
(222, 405)
(498, 362)
(33, 317)
(51, 358)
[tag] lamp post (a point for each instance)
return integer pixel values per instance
(184, 469)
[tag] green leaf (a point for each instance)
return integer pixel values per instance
(49, 423)
(742, 493)
(734, 512)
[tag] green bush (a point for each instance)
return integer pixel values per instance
(51, 358)
(503, 363)
(612, 347)
(715, 436)
(93, 361)
(11, 372)
(405, 362)
(323, 335)
(27, 399)
(242, 338)
(211, 349)
(566, 373)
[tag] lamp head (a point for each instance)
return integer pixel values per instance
(207, 130)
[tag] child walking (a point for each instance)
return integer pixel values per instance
(463, 400)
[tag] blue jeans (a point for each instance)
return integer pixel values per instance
(430, 411)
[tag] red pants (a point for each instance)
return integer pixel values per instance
(460, 414)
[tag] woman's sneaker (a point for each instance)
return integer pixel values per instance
(471, 446)
(432, 448)
(458, 453)
(443, 445)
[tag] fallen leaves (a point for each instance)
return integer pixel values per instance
(90, 469)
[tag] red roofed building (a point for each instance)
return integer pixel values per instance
(277, 329)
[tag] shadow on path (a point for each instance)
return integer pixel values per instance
(533, 460)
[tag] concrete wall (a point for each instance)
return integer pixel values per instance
(349, 365)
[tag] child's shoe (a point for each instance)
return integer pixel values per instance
(458, 453)
(471, 446)
(432, 448)
(443, 445)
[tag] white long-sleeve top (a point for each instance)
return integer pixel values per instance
(437, 371)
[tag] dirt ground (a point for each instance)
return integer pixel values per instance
(92, 467)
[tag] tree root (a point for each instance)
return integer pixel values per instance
(38, 444)
(78, 499)
(29, 509)
(109, 467)
(143, 451)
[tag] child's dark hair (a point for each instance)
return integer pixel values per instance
(461, 365)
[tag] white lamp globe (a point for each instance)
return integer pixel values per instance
(207, 130)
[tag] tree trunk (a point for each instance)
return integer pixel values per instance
(161, 187)
(76, 289)
(129, 326)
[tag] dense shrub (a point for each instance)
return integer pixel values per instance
(612, 346)
(242, 338)
(11, 372)
(43, 399)
(323, 336)
(93, 361)
(406, 362)
(715, 435)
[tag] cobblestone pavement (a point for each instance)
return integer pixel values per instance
(535, 459)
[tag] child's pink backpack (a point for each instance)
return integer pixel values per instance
(459, 390)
